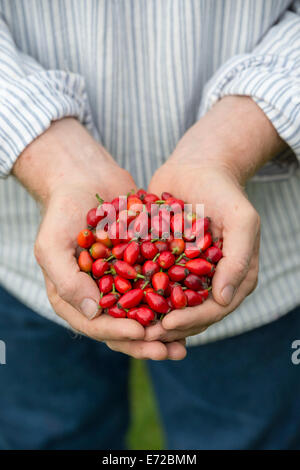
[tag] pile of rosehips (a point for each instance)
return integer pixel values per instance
(148, 255)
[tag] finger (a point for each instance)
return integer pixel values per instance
(240, 241)
(101, 328)
(158, 333)
(73, 286)
(156, 350)
(176, 350)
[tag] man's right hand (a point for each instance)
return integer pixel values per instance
(63, 169)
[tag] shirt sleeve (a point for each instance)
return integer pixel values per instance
(270, 75)
(31, 98)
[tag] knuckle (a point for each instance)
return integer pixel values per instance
(65, 289)
(253, 285)
(39, 250)
(219, 317)
(254, 218)
(241, 265)
(111, 345)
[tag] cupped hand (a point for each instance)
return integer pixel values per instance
(64, 169)
(210, 165)
(235, 220)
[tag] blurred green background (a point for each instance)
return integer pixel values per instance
(145, 431)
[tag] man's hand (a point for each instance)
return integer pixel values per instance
(64, 169)
(210, 166)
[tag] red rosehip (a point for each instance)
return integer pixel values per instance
(178, 297)
(150, 198)
(193, 298)
(92, 218)
(177, 273)
(125, 270)
(134, 202)
(139, 284)
(148, 249)
(99, 267)
(199, 266)
(131, 299)
(140, 225)
(160, 282)
(165, 196)
(144, 315)
(132, 313)
(141, 193)
(194, 282)
(118, 250)
(177, 225)
(98, 250)
(176, 204)
(204, 242)
(148, 289)
(85, 261)
(85, 238)
(105, 283)
(200, 226)
(109, 300)
(204, 293)
(138, 268)
(169, 288)
(213, 254)
(191, 250)
(161, 245)
(160, 226)
(150, 268)
(131, 252)
(123, 285)
(116, 312)
(156, 302)
(177, 246)
(102, 236)
(166, 259)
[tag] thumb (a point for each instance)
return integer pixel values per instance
(73, 286)
(240, 243)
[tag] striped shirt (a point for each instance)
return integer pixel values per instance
(138, 74)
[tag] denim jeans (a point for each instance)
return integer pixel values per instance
(62, 391)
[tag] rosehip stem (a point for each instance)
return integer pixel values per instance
(161, 316)
(156, 256)
(110, 258)
(113, 288)
(160, 201)
(180, 258)
(146, 283)
(99, 199)
(140, 276)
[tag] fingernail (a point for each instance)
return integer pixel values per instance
(89, 308)
(227, 294)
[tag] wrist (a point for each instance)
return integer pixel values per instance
(63, 155)
(235, 135)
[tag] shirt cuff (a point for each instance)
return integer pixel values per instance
(271, 81)
(29, 105)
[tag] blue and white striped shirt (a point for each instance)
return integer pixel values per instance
(138, 74)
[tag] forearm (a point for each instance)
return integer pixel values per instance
(65, 154)
(234, 133)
